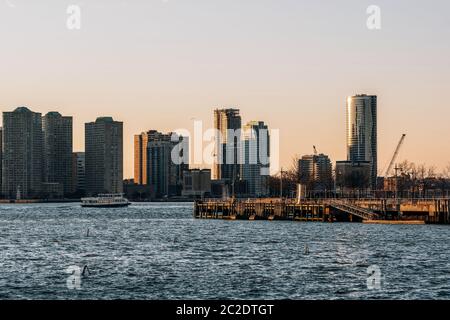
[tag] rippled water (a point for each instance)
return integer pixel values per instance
(158, 251)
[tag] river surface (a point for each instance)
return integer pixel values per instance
(158, 251)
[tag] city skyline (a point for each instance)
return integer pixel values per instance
(224, 158)
(286, 163)
(176, 61)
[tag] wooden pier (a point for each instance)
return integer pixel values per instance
(379, 211)
(261, 210)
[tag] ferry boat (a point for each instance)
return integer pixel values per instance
(112, 200)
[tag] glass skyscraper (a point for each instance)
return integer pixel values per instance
(362, 132)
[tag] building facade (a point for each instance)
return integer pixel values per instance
(154, 164)
(362, 132)
(104, 156)
(227, 123)
(140, 157)
(255, 154)
(315, 174)
(57, 133)
(353, 176)
(79, 173)
(159, 166)
(197, 183)
(163, 174)
(137, 192)
(22, 165)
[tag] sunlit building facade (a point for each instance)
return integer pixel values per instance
(22, 163)
(57, 130)
(255, 153)
(362, 132)
(104, 156)
(227, 123)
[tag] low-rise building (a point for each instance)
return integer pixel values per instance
(138, 192)
(196, 183)
(351, 176)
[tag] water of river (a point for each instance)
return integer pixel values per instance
(158, 251)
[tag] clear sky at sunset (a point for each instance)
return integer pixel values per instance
(158, 64)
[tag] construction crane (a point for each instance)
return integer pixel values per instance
(391, 164)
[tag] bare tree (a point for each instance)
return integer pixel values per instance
(431, 172)
(290, 179)
(444, 180)
(446, 172)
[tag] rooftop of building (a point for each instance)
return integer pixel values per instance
(53, 114)
(104, 119)
(228, 110)
(256, 123)
(22, 109)
(363, 95)
(353, 163)
(310, 156)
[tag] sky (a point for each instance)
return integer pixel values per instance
(161, 64)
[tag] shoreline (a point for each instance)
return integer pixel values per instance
(3, 201)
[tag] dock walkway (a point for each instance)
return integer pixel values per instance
(326, 210)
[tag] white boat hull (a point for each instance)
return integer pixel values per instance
(104, 205)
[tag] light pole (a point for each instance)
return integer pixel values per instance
(281, 184)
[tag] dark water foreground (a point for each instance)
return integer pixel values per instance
(158, 251)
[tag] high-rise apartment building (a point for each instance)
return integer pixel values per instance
(154, 165)
(104, 156)
(227, 123)
(57, 131)
(158, 165)
(362, 132)
(255, 153)
(315, 173)
(22, 165)
(140, 157)
(79, 172)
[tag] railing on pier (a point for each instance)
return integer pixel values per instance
(430, 211)
(345, 206)
(262, 209)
